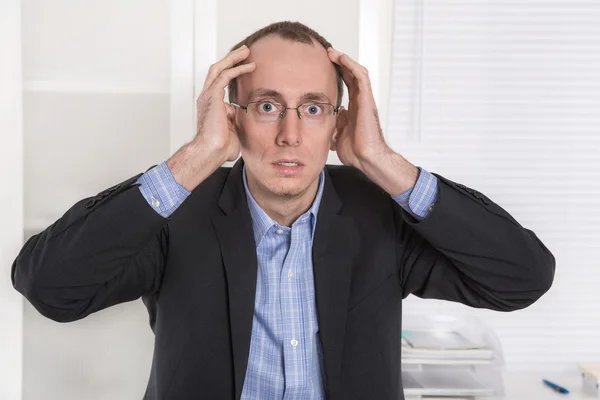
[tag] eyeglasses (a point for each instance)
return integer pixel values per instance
(269, 111)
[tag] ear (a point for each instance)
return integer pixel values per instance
(341, 120)
(340, 123)
(333, 141)
(230, 110)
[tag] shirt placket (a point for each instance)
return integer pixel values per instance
(294, 343)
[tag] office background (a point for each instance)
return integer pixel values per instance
(503, 96)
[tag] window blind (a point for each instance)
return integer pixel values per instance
(504, 97)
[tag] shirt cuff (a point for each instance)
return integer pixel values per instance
(161, 190)
(419, 200)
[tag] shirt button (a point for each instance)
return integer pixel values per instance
(290, 274)
(155, 203)
(294, 343)
(280, 231)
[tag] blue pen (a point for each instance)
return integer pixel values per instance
(555, 387)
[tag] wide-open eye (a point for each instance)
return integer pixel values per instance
(267, 107)
(312, 109)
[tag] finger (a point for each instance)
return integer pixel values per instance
(226, 76)
(358, 71)
(346, 75)
(226, 62)
(345, 60)
(350, 81)
(231, 59)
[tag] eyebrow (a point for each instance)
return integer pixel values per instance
(310, 96)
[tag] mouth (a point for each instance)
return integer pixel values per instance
(288, 167)
(288, 164)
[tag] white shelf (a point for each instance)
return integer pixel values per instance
(97, 87)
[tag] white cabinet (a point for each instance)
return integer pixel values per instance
(96, 80)
(96, 110)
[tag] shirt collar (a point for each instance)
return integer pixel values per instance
(261, 222)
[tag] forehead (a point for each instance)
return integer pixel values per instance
(290, 68)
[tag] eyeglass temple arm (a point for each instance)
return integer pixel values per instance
(239, 106)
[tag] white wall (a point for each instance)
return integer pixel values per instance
(11, 199)
(336, 20)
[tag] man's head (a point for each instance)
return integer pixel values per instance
(292, 69)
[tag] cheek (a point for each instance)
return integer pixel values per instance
(253, 142)
(244, 134)
(327, 138)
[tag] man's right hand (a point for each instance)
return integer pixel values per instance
(216, 119)
(216, 139)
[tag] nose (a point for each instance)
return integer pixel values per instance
(290, 128)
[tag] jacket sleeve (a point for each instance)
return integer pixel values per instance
(469, 250)
(104, 250)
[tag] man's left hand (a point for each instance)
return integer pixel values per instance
(359, 138)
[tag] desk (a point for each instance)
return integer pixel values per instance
(529, 386)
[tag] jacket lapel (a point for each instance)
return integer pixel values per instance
(333, 249)
(236, 238)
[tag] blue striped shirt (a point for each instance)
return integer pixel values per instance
(285, 360)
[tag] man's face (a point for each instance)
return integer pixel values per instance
(291, 71)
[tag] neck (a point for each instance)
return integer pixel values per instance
(283, 209)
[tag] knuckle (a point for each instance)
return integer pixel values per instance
(211, 69)
(227, 75)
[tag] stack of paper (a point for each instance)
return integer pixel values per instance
(439, 362)
(443, 383)
(450, 356)
(442, 347)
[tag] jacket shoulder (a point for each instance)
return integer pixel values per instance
(352, 185)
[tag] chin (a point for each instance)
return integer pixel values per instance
(292, 188)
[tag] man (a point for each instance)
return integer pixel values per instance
(281, 277)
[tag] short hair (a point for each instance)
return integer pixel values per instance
(293, 31)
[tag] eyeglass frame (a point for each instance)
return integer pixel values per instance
(283, 113)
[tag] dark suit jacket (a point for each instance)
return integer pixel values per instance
(196, 273)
